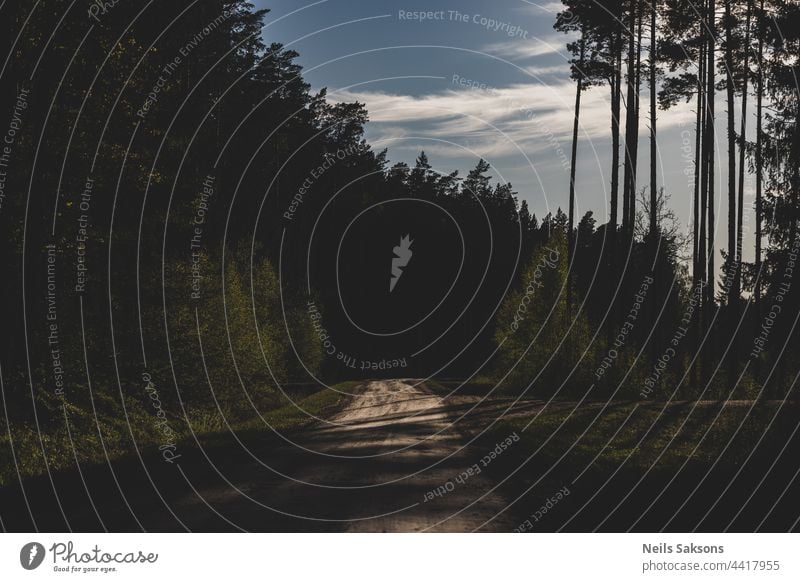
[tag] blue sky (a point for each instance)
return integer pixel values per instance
(477, 79)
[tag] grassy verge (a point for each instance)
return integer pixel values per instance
(302, 412)
(643, 434)
(78, 439)
(631, 460)
(474, 387)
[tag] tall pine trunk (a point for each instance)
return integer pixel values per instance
(698, 171)
(759, 157)
(616, 99)
(630, 137)
(708, 141)
(635, 145)
(653, 156)
(575, 125)
(737, 283)
(698, 262)
(702, 252)
(730, 277)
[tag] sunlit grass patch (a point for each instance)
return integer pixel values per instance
(121, 436)
(642, 435)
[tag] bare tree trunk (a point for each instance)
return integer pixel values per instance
(702, 257)
(571, 227)
(635, 147)
(616, 98)
(710, 92)
(759, 157)
(702, 254)
(698, 170)
(698, 251)
(653, 156)
(630, 138)
(616, 101)
(733, 295)
(737, 284)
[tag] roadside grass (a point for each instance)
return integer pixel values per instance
(293, 415)
(78, 439)
(297, 414)
(644, 434)
(640, 434)
(478, 386)
(639, 461)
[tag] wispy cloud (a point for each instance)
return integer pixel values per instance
(531, 117)
(542, 8)
(519, 49)
(539, 71)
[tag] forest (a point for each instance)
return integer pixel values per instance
(184, 220)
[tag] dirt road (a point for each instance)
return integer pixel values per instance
(374, 466)
(395, 457)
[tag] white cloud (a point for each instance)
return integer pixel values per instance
(542, 8)
(524, 49)
(538, 71)
(534, 117)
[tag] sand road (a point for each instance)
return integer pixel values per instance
(370, 467)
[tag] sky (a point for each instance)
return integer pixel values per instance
(469, 80)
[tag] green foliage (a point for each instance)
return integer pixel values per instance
(544, 342)
(88, 439)
(646, 434)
